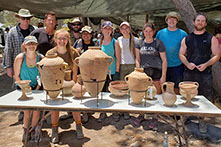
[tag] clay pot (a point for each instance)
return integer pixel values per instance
(23, 84)
(68, 83)
(118, 88)
(93, 66)
(51, 70)
(151, 92)
(78, 90)
(168, 94)
(138, 83)
(188, 90)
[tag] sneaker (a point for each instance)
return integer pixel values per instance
(153, 124)
(102, 117)
(25, 134)
(202, 126)
(126, 116)
(116, 117)
(54, 136)
(79, 130)
(138, 120)
(85, 118)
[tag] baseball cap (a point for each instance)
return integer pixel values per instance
(87, 29)
(173, 15)
(29, 39)
(23, 13)
(124, 23)
(107, 23)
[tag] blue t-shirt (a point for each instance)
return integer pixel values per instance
(172, 41)
(110, 51)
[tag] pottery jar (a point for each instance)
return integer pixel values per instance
(93, 66)
(51, 70)
(78, 90)
(138, 83)
(168, 94)
(118, 88)
(188, 90)
(68, 83)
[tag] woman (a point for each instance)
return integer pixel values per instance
(108, 45)
(68, 54)
(126, 52)
(25, 69)
(151, 55)
(218, 36)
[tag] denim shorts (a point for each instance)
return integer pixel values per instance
(175, 74)
(154, 73)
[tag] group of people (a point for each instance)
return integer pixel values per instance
(171, 56)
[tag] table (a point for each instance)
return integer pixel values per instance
(109, 103)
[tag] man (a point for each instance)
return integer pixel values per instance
(45, 34)
(172, 37)
(75, 28)
(15, 38)
(195, 53)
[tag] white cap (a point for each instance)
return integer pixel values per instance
(124, 23)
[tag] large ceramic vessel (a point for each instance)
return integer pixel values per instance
(93, 66)
(188, 90)
(168, 94)
(138, 83)
(51, 70)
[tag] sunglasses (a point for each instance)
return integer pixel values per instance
(27, 18)
(76, 24)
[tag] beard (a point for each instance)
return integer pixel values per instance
(76, 30)
(199, 28)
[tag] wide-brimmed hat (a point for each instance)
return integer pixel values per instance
(87, 29)
(77, 19)
(23, 13)
(29, 39)
(125, 23)
(173, 15)
(107, 23)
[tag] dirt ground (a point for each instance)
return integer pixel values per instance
(106, 134)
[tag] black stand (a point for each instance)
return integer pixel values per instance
(62, 98)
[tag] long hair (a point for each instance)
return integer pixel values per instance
(151, 25)
(68, 46)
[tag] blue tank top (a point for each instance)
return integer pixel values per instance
(29, 73)
(110, 51)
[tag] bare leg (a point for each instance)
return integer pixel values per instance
(26, 118)
(35, 118)
(54, 118)
(77, 117)
(158, 87)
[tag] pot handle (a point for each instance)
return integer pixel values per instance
(197, 84)
(76, 61)
(126, 78)
(181, 83)
(111, 60)
(162, 87)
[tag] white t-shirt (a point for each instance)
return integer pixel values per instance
(126, 55)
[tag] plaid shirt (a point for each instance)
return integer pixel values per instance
(13, 45)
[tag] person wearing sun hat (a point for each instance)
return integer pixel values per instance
(172, 37)
(86, 40)
(75, 27)
(14, 39)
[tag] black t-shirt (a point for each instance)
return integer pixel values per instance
(150, 53)
(84, 47)
(25, 32)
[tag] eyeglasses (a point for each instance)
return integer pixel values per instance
(27, 18)
(65, 39)
(76, 24)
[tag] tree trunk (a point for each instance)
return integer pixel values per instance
(187, 11)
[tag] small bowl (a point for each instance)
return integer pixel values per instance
(118, 88)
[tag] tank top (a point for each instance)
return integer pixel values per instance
(199, 49)
(29, 73)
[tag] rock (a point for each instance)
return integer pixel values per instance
(216, 70)
(135, 144)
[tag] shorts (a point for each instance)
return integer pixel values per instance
(175, 74)
(126, 69)
(154, 73)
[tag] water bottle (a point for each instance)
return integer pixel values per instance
(165, 139)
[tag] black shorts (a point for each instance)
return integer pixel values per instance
(154, 73)
(175, 74)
